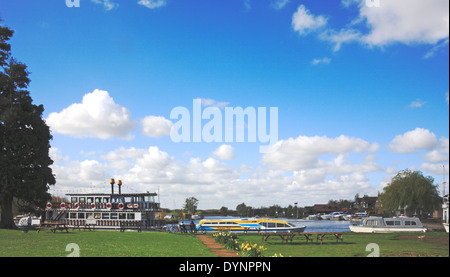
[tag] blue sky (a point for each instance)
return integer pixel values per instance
(361, 92)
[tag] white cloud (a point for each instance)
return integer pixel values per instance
(224, 152)
(214, 103)
(340, 37)
(400, 21)
(107, 4)
(406, 21)
(433, 168)
(152, 4)
(303, 152)
(417, 104)
(320, 61)
(75, 176)
(304, 22)
(216, 183)
(96, 116)
(435, 156)
(436, 48)
(414, 140)
(156, 126)
(279, 4)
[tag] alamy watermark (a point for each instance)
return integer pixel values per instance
(74, 250)
(374, 250)
(227, 125)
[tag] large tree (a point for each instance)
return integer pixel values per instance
(411, 192)
(190, 205)
(25, 174)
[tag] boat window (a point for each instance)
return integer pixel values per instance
(105, 200)
(113, 215)
(105, 215)
(97, 215)
(74, 199)
(98, 199)
(371, 222)
(222, 223)
(81, 215)
(72, 215)
(281, 225)
(82, 199)
(139, 199)
(389, 222)
(408, 223)
(148, 199)
(122, 216)
(130, 216)
(90, 200)
(271, 225)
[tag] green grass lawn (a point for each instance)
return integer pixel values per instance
(354, 245)
(15, 243)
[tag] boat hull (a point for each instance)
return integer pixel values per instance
(367, 229)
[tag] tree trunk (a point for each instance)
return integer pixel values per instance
(7, 215)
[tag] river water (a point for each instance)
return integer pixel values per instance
(322, 225)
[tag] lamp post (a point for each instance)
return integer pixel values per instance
(296, 208)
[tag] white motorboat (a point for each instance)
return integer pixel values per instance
(388, 225)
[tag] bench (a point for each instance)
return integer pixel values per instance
(89, 226)
(309, 237)
(53, 227)
(125, 225)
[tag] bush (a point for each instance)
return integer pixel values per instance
(229, 240)
(247, 249)
(251, 250)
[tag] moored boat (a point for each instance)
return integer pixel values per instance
(249, 225)
(388, 225)
(106, 210)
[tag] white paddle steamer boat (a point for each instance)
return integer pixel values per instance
(106, 210)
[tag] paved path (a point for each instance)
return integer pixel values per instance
(216, 248)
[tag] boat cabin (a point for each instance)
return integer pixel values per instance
(396, 222)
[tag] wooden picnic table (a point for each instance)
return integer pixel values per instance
(53, 226)
(289, 237)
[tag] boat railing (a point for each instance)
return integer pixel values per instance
(105, 206)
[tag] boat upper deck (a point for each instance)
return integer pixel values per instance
(396, 222)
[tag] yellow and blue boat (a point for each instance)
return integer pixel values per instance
(249, 225)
